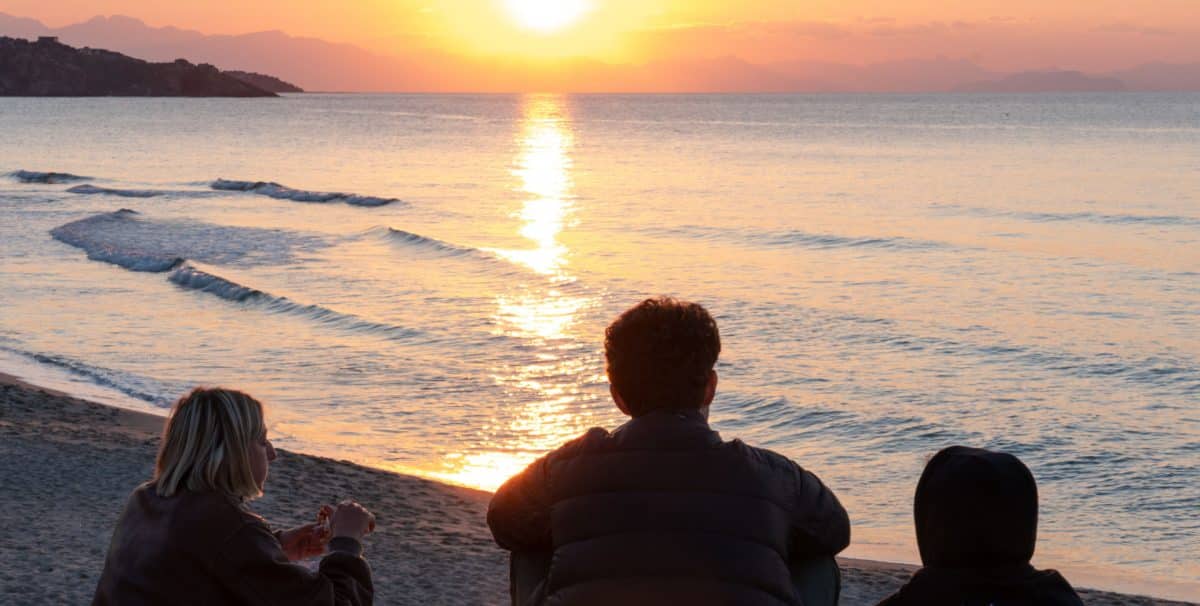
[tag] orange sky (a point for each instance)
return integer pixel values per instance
(1002, 34)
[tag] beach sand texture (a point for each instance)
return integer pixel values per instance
(67, 465)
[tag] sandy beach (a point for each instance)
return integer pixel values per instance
(67, 465)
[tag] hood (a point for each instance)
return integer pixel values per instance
(975, 508)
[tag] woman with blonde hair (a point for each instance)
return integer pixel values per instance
(188, 536)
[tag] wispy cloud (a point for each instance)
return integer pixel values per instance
(1130, 28)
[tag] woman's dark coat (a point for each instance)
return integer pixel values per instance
(205, 548)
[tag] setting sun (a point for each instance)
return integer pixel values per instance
(547, 15)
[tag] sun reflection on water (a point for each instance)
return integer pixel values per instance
(548, 391)
(544, 171)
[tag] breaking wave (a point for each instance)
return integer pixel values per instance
(127, 239)
(89, 189)
(493, 262)
(795, 238)
(282, 192)
(1072, 217)
(1109, 219)
(89, 235)
(798, 238)
(136, 386)
(192, 278)
(406, 238)
(51, 178)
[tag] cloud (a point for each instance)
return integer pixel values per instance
(915, 29)
(999, 42)
(817, 29)
(1130, 28)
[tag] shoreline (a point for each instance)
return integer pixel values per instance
(432, 546)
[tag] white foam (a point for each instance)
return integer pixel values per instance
(128, 239)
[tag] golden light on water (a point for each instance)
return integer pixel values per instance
(546, 408)
(543, 168)
(545, 317)
(485, 470)
(547, 417)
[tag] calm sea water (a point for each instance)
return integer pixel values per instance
(891, 275)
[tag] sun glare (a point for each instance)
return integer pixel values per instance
(547, 16)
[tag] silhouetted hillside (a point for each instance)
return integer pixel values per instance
(1162, 77)
(48, 68)
(264, 81)
(1044, 82)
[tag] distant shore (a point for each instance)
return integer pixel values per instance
(67, 465)
(49, 68)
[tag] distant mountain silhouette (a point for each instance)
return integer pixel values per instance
(1161, 77)
(49, 68)
(320, 65)
(21, 27)
(912, 75)
(1044, 82)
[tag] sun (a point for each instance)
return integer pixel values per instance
(547, 16)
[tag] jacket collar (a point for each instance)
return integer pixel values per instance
(667, 430)
(931, 586)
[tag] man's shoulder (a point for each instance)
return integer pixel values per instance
(599, 440)
(765, 459)
(593, 440)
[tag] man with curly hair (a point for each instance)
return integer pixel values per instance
(662, 510)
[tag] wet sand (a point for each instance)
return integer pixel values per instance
(67, 465)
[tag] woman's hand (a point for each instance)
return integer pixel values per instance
(308, 540)
(351, 520)
(304, 541)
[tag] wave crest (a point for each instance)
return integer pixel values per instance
(407, 238)
(89, 189)
(835, 241)
(190, 277)
(50, 178)
(283, 192)
(1070, 217)
(784, 239)
(136, 386)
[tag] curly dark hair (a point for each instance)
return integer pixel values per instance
(660, 353)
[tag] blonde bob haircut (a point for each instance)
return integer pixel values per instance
(206, 444)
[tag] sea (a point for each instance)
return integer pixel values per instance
(421, 282)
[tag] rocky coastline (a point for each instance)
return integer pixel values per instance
(48, 68)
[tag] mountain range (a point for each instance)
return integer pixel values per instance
(319, 65)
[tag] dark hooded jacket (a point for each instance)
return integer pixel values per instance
(976, 517)
(662, 511)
